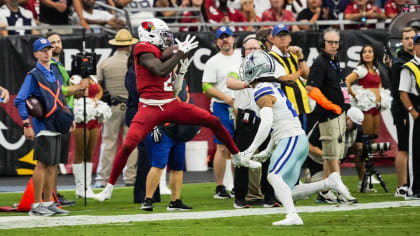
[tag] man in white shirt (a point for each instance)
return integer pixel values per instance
(216, 71)
(11, 14)
(410, 98)
(98, 17)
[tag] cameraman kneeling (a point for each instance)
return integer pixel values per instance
(353, 145)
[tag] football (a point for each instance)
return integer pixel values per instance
(168, 52)
(34, 107)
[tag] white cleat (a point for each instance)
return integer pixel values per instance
(335, 183)
(291, 219)
(106, 193)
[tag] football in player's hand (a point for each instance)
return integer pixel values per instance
(34, 107)
(168, 52)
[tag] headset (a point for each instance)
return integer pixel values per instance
(322, 37)
(246, 39)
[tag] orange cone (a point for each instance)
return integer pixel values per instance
(29, 197)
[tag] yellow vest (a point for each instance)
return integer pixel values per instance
(415, 69)
(300, 103)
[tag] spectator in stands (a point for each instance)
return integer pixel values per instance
(4, 94)
(313, 13)
(295, 6)
(33, 6)
(277, 13)
(261, 6)
(362, 10)
(193, 17)
(98, 17)
(11, 14)
(248, 11)
(169, 16)
(394, 7)
(55, 12)
(336, 7)
(137, 10)
(225, 14)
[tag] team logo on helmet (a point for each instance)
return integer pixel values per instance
(148, 26)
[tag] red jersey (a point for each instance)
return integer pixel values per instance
(392, 8)
(353, 8)
(216, 16)
(149, 85)
(187, 17)
(286, 15)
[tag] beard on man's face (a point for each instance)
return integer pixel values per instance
(56, 52)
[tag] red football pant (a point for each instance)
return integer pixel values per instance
(176, 112)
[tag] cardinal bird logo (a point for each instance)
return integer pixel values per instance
(149, 26)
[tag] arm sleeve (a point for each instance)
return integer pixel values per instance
(405, 81)
(24, 91)
(316, 74)
(264, 128)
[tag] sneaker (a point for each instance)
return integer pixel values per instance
(177, 205)
(240, 204)
(58, 211)
(415, 196)
(271, 203)
(147, 205)
(367, 189)
(348, 199)
(99, 185)
(64, 202)
(327, 197)
(291, 219)
(256, 202)
(401, 192)
(105, 194)
(334, 182)
(221, 193)
(40, 210)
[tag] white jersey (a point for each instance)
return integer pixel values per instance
(285, 119)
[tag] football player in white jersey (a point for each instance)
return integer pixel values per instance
(288, 146)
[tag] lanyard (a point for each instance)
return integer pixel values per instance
(337, 68)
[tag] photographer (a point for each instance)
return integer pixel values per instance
(352, 145)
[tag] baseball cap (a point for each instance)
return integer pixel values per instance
(355, 115)
(223, 30)
(416, 38)
(279, 28)
(41, 43)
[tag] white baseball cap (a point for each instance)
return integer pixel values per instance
(355, 115)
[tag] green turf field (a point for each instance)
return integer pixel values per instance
(386, 221)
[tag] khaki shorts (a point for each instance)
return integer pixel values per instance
(330, 131)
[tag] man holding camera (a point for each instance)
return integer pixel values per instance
(409, 87)
(111, 73)
(352, 145)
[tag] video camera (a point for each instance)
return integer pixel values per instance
(84, 63)
(374, 147)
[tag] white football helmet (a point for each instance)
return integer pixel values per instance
(256, 65)
(156, 32)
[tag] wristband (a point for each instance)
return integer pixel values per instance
(410, 108)
(245, 85)
(27, 125)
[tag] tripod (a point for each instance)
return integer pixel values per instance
(370, 170)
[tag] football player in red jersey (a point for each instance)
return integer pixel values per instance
(155, 85)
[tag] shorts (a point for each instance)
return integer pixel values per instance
(47, 149)
(168, 151)
(65, 143)
(373, 111)
(221, 110)
(332, 132)
(92, 124)
(402, 132)
(288, 158)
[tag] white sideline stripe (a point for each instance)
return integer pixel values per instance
(14, 222)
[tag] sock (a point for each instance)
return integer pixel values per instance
(301, 191)
(47, 204)
(282, 192)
